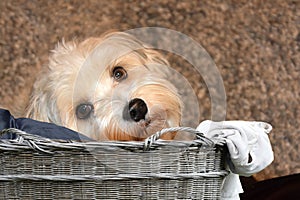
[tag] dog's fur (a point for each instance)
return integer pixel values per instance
(83, 74)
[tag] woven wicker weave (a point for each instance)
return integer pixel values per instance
(37, 168)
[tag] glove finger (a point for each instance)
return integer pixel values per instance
(238, 149)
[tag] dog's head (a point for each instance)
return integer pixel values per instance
(108, 88)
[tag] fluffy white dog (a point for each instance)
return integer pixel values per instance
(109, 88)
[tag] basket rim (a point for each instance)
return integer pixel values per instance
(26, 141)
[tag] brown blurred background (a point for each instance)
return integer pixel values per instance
(255, 45)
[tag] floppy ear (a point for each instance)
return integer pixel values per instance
(42, 105)
(157, 62)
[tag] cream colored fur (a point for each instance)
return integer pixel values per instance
(80, 73)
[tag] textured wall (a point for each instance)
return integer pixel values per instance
(255, 45)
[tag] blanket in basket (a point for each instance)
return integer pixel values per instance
(47, 130)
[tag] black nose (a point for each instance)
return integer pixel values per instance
(137, 109)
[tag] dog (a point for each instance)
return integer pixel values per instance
(113, 87)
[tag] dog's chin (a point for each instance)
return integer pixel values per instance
(156, 120)
(150, 126)
(142, 129)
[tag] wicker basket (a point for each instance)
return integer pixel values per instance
(38, 168)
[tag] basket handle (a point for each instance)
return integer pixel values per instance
(200, 138)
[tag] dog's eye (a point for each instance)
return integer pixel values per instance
(119, 73)
(83, 111)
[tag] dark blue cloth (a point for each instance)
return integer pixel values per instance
(44, 129)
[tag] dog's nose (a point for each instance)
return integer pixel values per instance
(137, 109)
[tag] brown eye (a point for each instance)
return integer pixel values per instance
(83, 111)
(119, 73)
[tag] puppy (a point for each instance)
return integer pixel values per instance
(109, 88)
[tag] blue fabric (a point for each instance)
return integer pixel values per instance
(44, 129)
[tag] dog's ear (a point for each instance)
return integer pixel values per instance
(156, 62)
(42, 105)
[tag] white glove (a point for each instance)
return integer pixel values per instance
(248, 143)
(249, 148)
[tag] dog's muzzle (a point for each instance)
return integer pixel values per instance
(136, 110)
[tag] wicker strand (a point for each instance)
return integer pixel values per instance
(29, 139)
(199, 136)
(23, 135)
(171, 176)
